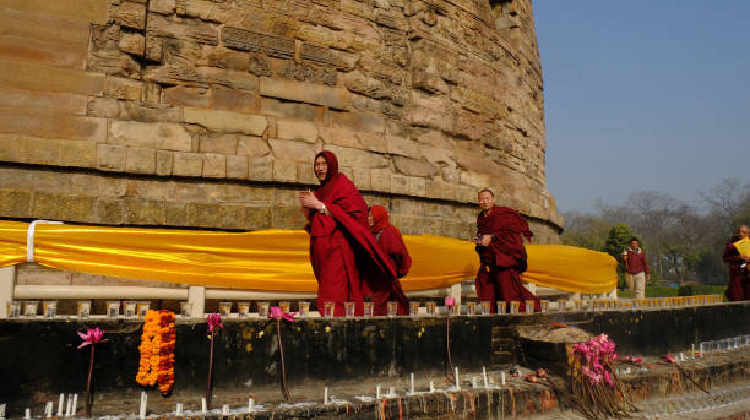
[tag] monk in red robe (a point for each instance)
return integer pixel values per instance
(392, 244)
(739, 280)
(340, 239)
(502, 255)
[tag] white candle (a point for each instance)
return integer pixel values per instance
(377, 392)
(203, 405)
(484, 377)
(144, 399)
(692, 351)
(251, 404)
(682, 357)
(74, 408)
(28, 414)
(392, 392)
(225, 410)
(458, 384)
(432, 387)
(49, 409)
(325, 395)
(68, 403)
(502, 378)
(412, 382)
(178, 409)
(60, 405)
(474, 382)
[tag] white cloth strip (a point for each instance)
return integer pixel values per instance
(30, 236)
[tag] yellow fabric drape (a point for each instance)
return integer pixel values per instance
(273, 260)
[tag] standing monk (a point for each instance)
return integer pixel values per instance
(739, 281)
(340, 240)
(392, 245)
(636, 269)
(502, 255)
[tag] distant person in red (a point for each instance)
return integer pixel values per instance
(340, 239)
(637, 272)
(502, 255)
(739, 280)
(390, 241)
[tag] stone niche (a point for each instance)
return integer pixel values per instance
(207, 113)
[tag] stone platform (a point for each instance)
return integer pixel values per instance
(351, 357)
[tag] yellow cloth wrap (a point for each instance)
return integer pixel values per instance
(743, 246)
(273, 260)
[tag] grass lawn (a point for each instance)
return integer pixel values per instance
(654, 291)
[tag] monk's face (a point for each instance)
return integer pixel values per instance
(321, 168)
(633, 244)
(486, 200)
(743, 232)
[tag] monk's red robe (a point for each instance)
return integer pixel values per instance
(392, 244)
(502, 262)
(341, 243)
(739, 282)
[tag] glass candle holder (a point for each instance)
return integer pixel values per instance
(243, 309)
(578, 305)
(14, 309)
(561, 305)
(349, 309)
(83, 308)
(529, 308)
(304, 309)
(455, 310)
(185, 308)
(486, 307)
(413, 308)
(471, 308)
(430, 307)
(368, 309)
(142, 307)
(225, 308)
(49, 308)
(514, 305)
(392, 309)
(113, 308)
(263, 309)
(544, 305)
(284, 305)
(128, 308)
(502, 307)
(328, 308)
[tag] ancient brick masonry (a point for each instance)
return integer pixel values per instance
(199, 113)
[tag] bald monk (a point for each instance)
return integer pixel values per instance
(502, 255)
(340, 239)
(391, 243)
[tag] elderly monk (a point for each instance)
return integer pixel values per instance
(502, 255)
(392, 244)
(739, 281)
(340, 240)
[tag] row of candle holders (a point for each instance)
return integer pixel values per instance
(133, 308)
(726, 344)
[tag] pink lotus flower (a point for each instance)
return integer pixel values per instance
(277, 313)
(214, 321)
(669, 359)
(450, 301)
(92, 336)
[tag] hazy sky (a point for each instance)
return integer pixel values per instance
(644, 95)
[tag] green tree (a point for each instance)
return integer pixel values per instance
(618, 238)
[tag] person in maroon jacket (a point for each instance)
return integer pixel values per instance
(739, 283)
(390, 241)
(636, 269)
(502, 254)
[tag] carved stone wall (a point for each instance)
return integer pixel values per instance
(207, 113)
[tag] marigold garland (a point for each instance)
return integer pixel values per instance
(157, 351)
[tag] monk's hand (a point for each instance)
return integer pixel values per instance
(486, 239)
(309, 201)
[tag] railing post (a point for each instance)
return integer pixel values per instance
(574, 296)
(197, 301)
(7, 287)
(455, 292)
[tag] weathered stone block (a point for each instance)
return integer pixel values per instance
(306, 174)
(257, 218)
(380, 180)
(237, 167)
(164, 162)
(187, 164)
(402, 146)
(227, 121)
(225, 144)
(50, 79)
(252, 146)
(139, 211)
(110, 157)
(232, 216)
(413, 167)
(103, 107)
(76, 208)
(165, 136)
(109, 212)
(140, 161)
(175, 214)
(261, 169)
(337, 98)
(184, 29)
(129, 14)
(203, 214)
(141, 111)
(361, 178)
(78, 154)
(359, 158)
(296, 130)
(165, 7)
(292, 150)
(340, 136)
(32, 124)
(214, 166)
(399, 184)
(122, 88)
(132, 43)
(43, 102)
(287, 218)
(284, 171)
